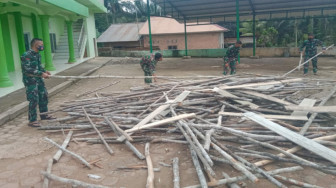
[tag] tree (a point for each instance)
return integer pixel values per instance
(268, 37)
(124, 12)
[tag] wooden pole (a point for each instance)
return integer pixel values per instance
(58, 154)
(128, 144)
(241, 178)
(150, 178)
(198, 168)
(129, 77)
(69, 152)
(49, 167)
(99, 134)
(72, 182)
(231, 185)
(176, 172)
(306, 62)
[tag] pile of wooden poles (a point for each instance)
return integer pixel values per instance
(232, 120)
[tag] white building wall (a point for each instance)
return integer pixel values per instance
(57, 26)
(91, 35)
(221, 40)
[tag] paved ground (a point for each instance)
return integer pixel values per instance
(23, 153)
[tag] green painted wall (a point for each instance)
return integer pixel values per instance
(70, 5)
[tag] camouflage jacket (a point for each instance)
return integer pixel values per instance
(148, 64)
(311, 46)
(232, 53)
(31, 67)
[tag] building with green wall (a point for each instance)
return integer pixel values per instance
(67, 28)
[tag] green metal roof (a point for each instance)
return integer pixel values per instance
(225, 10)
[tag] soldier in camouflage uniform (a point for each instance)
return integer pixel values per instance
(231, 57)
(148, 64)
(310, 51)
(32, 77)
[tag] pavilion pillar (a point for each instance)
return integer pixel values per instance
(72, 58)
(4, 78)
(149, 28)
(37, 31)
(19, 32)
(47, 44)
(185, 38)
(254, 37)
(7, 42)
(237, 23)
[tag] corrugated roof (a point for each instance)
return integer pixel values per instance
(126, 32)
(225, 10)
(161, 25)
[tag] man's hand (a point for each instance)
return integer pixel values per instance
(48, 72)
(45, 75)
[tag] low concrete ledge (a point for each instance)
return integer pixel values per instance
(19, 109)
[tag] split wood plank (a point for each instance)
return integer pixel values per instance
(227, 94)
(295, 149)
(176, 101)
(160, 109)
(294, 137)
(303, 118)
(268, 97)
(318, 109)
(304, 103)
(261, 84)
(58, 154)
(157, 111)
(162, 122)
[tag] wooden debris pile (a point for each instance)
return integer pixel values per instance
(231, 120)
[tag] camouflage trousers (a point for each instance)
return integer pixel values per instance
(36, 94)
(314, 62)
(229, 62)
(148, 80)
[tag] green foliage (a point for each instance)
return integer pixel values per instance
(124, 12)
(283, 33)
(268, 37)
